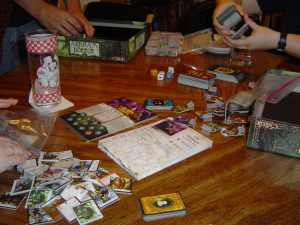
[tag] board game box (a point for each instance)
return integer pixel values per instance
(108, 43)
(275, 127)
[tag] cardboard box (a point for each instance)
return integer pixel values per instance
(108, 43)
(276, 127)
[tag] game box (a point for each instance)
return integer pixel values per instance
(120, 31)
(276, 127)
(108, 43)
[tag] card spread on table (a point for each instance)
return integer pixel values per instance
(38, 217)
(87, 212)
(107, 118)
(22, 185)
(10, 202)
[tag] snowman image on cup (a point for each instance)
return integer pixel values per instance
(47, 87)
(47, 73)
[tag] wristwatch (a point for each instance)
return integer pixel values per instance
(282, 42)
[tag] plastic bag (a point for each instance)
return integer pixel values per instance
(27, 127)
(276, 85)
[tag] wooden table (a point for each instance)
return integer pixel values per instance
(228, 184)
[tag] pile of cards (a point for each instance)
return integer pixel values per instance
(231, 125)
(58, 186)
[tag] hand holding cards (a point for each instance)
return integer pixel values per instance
(232, 19)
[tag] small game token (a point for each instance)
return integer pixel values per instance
(210, 127)
(234, 131)
(171, 69)
(169, 76)
(161, 75)
(154, 72)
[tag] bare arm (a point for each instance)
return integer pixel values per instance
(53, 18)
(11, 152)
(74, 7)
(265, 38)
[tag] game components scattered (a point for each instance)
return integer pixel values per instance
(8, 201)
(162, 206)
(233, 131)
(190, 106)
(73, 189)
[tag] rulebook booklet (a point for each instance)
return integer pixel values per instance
(152, 148)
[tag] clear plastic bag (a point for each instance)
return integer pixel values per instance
(27, 127)
(275, 85)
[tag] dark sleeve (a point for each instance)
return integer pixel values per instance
(269, 6)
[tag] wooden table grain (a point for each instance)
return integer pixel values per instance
(226, 185)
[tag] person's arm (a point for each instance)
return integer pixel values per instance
(11, 152)
(265, 38)
(53, 18)
(5, 103)
(74, 7)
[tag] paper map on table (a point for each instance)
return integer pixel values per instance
(149, 149)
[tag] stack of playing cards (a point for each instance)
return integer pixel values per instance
(60, 187)
(162, 206)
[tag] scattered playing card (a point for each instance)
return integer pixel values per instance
(74, 191)
(27, 165)
(104, 196)
(66, 209)
(38, 197)
(10, 202)
(55, 156)
(170, 127)
(22, 185)
(39, 216)
(87, 212)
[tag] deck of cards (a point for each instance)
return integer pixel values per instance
(64, 187)
(162, 206)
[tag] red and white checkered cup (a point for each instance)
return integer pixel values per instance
(43, 67)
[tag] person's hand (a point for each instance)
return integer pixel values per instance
(261, 38)
(11, 153)
(5, 103)
(223, 30)
(60, 21)
(88, 28)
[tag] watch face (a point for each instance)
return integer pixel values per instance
(282, 42)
